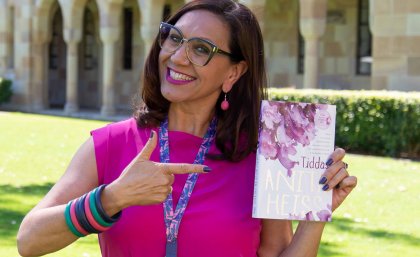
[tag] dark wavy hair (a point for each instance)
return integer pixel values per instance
(237, 130)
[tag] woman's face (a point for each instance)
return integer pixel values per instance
(185, 82)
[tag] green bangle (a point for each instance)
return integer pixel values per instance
(69, 223)
(95, 213)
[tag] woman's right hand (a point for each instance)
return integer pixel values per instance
(144, 182)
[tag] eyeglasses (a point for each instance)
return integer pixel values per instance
(199, 51)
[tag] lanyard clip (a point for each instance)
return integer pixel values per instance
(171, 248)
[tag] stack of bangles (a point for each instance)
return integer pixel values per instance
(85, 215)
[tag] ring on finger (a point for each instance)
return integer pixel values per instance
(346, 165)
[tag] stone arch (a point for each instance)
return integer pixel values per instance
(49, 55)
(44, 12)
(73, 18)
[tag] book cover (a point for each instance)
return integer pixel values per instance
(295, 141)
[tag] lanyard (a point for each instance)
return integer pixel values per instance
(173, 219)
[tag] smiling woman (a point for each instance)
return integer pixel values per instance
(198, 59)
(233, 70)
(144, 184)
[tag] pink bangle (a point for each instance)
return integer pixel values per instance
(90, 217)
(74, 219)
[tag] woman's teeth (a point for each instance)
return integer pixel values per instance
(179, 76)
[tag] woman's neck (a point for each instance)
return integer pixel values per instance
(190, 120)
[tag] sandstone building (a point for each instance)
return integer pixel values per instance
(88, 54)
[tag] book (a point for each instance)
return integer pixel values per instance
(294, 142)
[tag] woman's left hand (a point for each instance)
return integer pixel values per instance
(337, 178)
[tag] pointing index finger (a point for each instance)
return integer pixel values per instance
(185, 168)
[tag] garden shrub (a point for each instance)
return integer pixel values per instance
(5, 90)
(370, 122)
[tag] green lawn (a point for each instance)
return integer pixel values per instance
(378, 219)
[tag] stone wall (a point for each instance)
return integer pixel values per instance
(26, 34)
(337, 63)
(281, 45)
(396, 44)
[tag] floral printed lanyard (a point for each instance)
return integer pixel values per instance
(173, 220)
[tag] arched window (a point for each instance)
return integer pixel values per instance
(301, 54)
(128, 38)
(57, 28)
(89, 43)
(364, 40)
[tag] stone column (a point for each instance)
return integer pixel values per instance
(72, 40)
(39, 55)
(258, 8)
(151, 17)
(110, 12)
(38, 72)
(108, 91)
(23, 88)
(73, 18)
(312, 26)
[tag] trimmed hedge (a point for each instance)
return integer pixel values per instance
(370, 122)
(5, 90)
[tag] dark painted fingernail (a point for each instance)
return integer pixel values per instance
(329, 162)
(151, 134)
(206, 169)
(322, 180)
(325, 187)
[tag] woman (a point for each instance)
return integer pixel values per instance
(204, 79)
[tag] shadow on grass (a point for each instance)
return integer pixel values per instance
(34, 189)
(10, 215)
(329, 249)
(353, 228)
(345, 224)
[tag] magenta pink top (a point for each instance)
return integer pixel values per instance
(217, 221)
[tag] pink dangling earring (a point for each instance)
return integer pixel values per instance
(225, 104)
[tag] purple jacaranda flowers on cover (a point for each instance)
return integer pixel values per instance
(295, 140)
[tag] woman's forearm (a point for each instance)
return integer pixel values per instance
(277, 238)
(306, 239)
(43, 231)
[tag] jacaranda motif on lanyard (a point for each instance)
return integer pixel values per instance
(173, 220)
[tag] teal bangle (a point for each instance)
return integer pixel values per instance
(69, 223)
(95, 213)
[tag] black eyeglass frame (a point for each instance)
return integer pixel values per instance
(215, 49)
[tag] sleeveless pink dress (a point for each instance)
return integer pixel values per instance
(217, 221)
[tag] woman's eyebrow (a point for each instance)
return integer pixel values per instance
(201, 37)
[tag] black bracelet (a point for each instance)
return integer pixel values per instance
(81, 216)
(101, 210)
